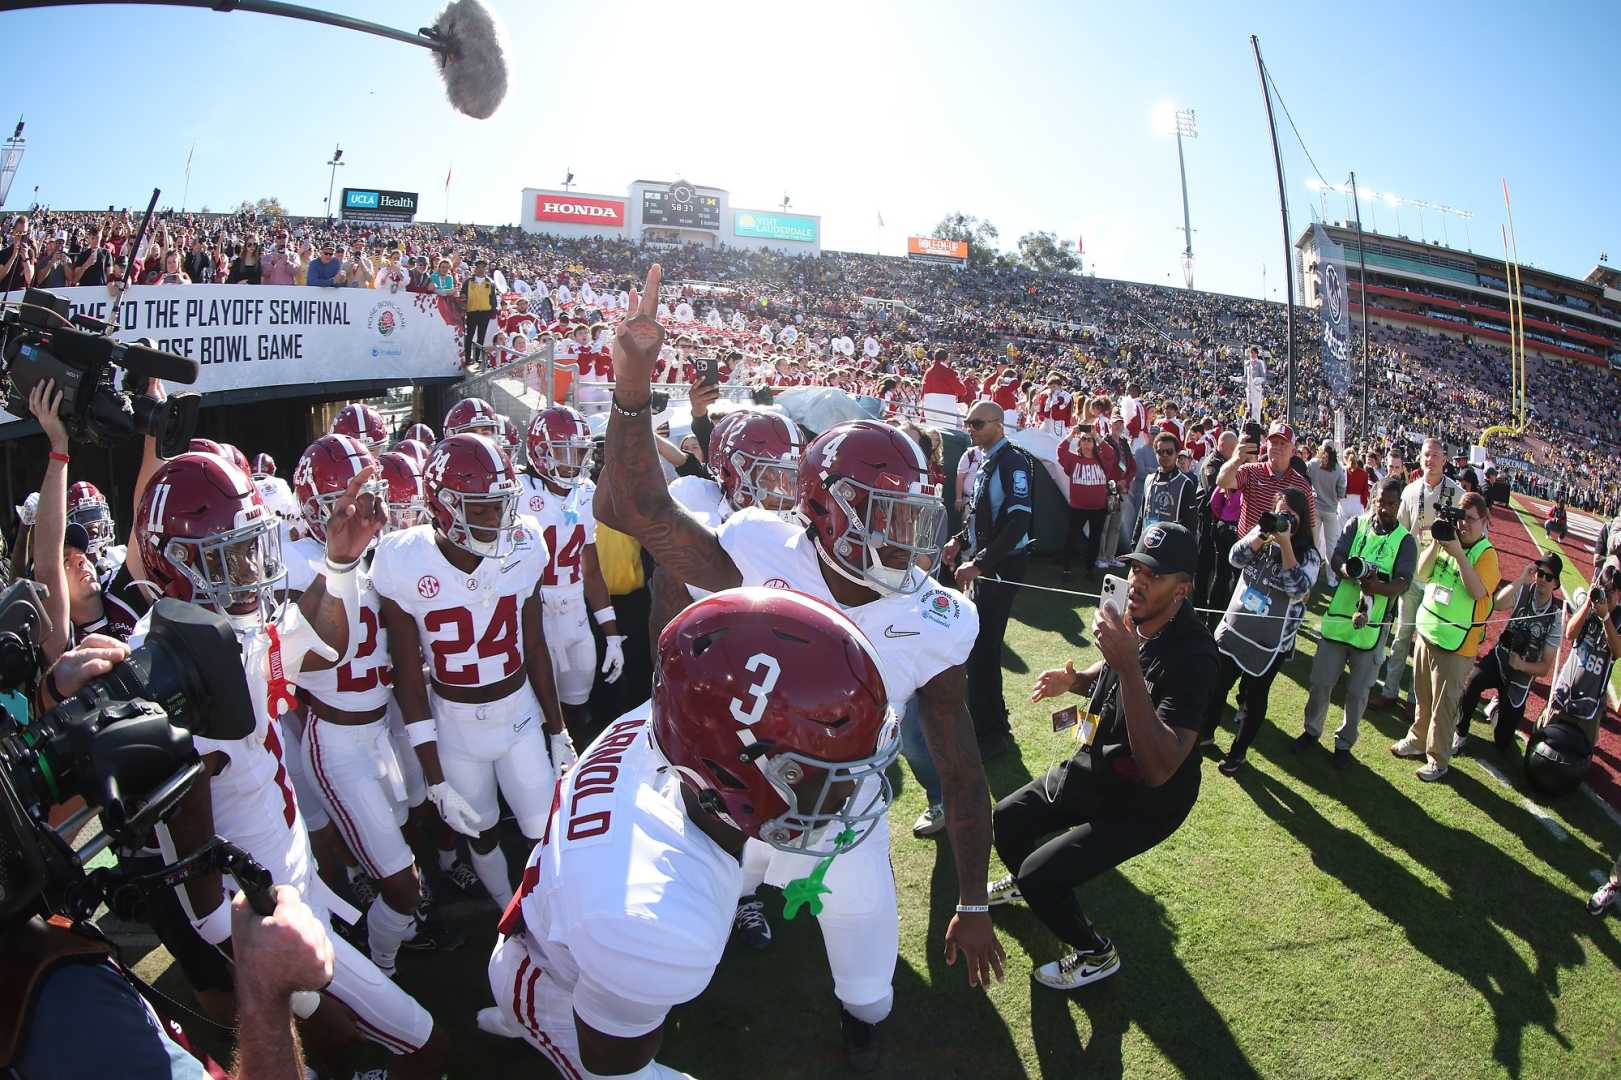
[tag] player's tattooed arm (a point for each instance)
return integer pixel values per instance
(537, 660)
(670, 598)
(949, 731)
(632, 495)
(950, 734)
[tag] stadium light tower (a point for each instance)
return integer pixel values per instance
(11, 156)
(1184, 124)
(337, 160)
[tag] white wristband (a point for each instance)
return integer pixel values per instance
(422, 731)
(344, 584)
(604, 616)
(215, 927)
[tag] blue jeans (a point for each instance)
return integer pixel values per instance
(915, 749)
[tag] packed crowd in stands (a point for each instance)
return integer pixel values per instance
(1177, 345)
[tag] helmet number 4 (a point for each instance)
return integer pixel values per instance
(769, 670)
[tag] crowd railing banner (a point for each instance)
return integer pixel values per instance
(284, 335)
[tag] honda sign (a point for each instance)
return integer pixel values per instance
(580, 210)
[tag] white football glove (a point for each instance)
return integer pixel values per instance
(563, 755)
(29, 509)
(453, 808)
(613, 656)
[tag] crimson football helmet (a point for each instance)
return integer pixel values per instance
(412, 448)
(205, 537)
(770, 706)
(322, 475)
(560, 446)
(235, 456)
(468, 475)
(422, 433)
(362, 422)
(88, 507)
(207, 446)
(471, 415)
(402, 478)
(510, 441)
(263, 466)
(756, 461)
(724, 422)
(864, 492)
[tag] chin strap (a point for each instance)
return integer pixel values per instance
(807, 891)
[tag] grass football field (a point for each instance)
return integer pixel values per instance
(1304, 922)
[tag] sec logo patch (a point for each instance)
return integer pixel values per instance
(536, 502)
(777, 583)
(427, 586)
(472, 584)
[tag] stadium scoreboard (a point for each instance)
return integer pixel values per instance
(680, 207)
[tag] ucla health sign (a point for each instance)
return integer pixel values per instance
(769, 226)
(372, 204)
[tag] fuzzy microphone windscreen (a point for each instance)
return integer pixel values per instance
(474, 64)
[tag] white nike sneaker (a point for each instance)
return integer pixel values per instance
(1078, 969)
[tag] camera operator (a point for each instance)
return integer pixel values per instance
(1357, 623)
(1421, 502)
(1461, 567)
(79, 987)
(78, 602)
(1134, 777)
(1578, 692)
(1525, 650)
(1278, 565)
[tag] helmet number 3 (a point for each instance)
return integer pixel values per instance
(769, 670)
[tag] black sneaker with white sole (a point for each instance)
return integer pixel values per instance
(750, 926)
(465, 878)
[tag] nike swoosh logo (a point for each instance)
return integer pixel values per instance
(891, 632)
(508, 566)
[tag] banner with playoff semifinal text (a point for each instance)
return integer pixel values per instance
(251, 336)
(1334, 305)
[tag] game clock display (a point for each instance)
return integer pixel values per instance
(680, 207)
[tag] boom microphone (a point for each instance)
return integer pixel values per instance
(472, 57)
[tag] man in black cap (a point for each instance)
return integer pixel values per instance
(1134, 776)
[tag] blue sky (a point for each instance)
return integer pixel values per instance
(1035, 116)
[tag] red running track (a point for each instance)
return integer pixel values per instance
(1515, 547)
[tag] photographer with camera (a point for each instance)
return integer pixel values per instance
(1277, 564)
(1525, 650)
(1377, 559)
(1421, 502)
(1593, 636)
(79, 601)
(1460, 566)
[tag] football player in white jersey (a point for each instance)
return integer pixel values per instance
(273, 489)
(346, 749)
(753, 455)
(557, 493)
(463, 595)
(205, 537)
(626, 904)
(871, 536)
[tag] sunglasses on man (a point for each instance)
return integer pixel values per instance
(977, 424)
